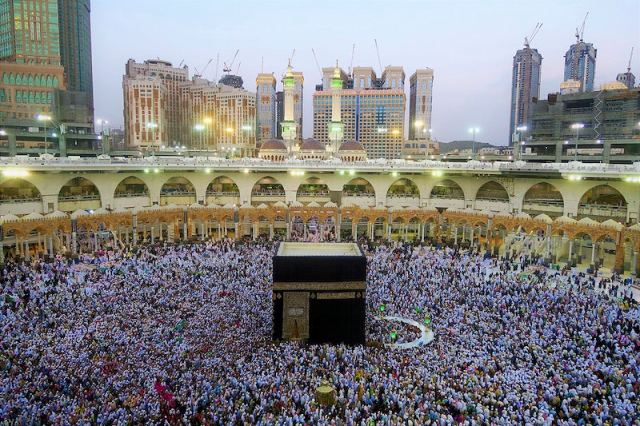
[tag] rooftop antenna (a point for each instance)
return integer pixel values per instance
(580, 32)
(630, 57)
(378, 53)
(529, 39)
(353, 52)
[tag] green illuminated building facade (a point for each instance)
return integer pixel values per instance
(45, 47)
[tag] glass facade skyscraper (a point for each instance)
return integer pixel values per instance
(45, 47)
(75, 44)
(525, 86)
(580, 64)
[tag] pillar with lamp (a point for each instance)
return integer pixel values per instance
(151, 127)
(105, 142)
(473, 131)
(522, 139)
(577, 127)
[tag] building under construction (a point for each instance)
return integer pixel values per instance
(600, 126)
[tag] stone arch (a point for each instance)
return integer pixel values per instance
(19, 196)
(18, 190)
(223, 190)
(79, 193)
(403, 187)
(543, 197)
(131, 186)
(358, 187)
(603, 202)
(131, 192)
(177, 190)
(267, 190)
(448, 189)
(312, 187)
(492, 191)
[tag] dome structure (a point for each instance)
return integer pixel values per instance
(273, 150)
(352, 151)
(311, 149)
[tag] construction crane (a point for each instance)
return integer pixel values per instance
(580, 32)
(378, 53)
(181, 62)
(200, 73)
(315, 58)
(629, 64)
(217, 66)
(353, 52)
(528, 40)
(227, 68)
(238, 68)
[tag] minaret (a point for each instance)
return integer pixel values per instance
(289, 128)
(335, 126)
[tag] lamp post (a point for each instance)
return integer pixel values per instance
(45, 119)
(521, 130)
(577, 127)
(100, 122)
(200, 128)
(152, 126)
(473, 131)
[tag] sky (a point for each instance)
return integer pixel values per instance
(468, 43)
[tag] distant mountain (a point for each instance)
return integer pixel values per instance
(446, 147)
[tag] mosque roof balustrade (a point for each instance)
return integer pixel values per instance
(256, 164)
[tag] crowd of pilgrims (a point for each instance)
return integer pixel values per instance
(181, 334)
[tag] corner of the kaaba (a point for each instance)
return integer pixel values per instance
(319, 293)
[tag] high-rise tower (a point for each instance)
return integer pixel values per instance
(29, 58)
(74, 18)
(525, 88)
(266, 107)
(420, 104)
(580, 62)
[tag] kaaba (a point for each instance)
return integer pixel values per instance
(319, 293)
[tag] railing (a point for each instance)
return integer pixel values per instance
(19, 200)
(177, 193)
(130, 194)
(268, 194)
(493, 200)
(544, 202)
(602, 210)
(447, 197)
(194, 163)
(85, 197)
(358, 194)
(222, 194)
(313, 194)
(405, 195)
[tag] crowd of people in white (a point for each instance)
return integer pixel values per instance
(181, 334)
